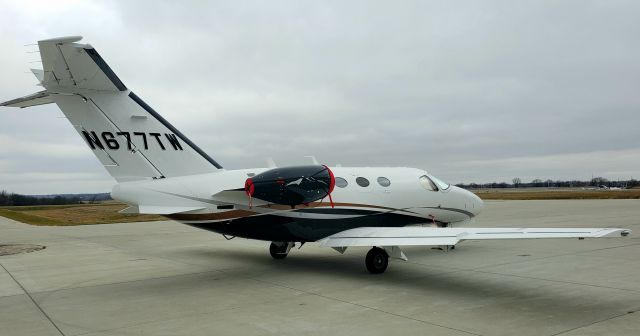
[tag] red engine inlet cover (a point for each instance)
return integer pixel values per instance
(249, 188)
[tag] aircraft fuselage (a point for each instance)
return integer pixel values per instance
(403, 198)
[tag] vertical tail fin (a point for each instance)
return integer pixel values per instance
(129, 138)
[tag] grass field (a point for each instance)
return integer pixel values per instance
(76, 214)
(551, 194)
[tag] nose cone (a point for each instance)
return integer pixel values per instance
(477, 203)
(472, 202)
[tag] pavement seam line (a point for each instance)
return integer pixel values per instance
(596, 322)
(480, 269)
(10, 295)
(123, 282)
(552, 256)
(364, 306)
(33, 300)
(557, 281)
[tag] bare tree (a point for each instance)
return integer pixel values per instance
(599, 181)
(516, 182)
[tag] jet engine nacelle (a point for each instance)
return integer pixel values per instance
(292, 185)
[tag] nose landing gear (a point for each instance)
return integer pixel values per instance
(280, 250)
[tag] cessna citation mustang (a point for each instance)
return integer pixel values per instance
(160, 171)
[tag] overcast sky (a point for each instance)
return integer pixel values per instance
(472, 91)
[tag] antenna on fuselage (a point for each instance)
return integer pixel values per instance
(313, 159)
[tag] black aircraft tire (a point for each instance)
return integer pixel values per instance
(377, 260)
(277, 251)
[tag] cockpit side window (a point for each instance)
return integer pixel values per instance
(426, 183)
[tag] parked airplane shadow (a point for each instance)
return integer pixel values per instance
(531, 295)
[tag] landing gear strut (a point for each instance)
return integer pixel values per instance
(280, 250)
(377, 260)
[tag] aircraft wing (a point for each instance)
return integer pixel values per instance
(412, 235)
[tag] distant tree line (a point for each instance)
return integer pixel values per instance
(538, 183)
(8, 199)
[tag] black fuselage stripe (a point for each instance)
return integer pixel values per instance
(106, 69)
(279, 228)
(338, 211)
(465, 212)
(173, 129)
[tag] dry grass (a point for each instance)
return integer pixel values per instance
(77, 214)
(559, 194)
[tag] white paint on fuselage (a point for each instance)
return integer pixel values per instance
(405, 192)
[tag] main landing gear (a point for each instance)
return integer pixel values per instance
(280, 250)
(377, 260)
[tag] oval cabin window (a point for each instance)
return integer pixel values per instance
(341, 183)
(363, 182)
(383, 181)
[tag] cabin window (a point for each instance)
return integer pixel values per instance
(426, 183)
(383, 181)
(363, 182)
(341, 183)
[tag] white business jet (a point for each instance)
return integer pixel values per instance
(160, 171)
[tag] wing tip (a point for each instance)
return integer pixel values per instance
(615, 232)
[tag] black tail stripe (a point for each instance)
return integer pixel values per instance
(106, 69)
(173, 129)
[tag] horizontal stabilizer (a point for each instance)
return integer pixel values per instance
(157, 210)
(237, 196)
(430, 236)
(38, 98)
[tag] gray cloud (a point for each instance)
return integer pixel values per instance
(470, 91)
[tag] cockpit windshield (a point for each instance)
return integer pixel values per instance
(440, 183)
(426, 183)
(431, 183)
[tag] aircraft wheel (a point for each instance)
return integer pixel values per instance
(377, 260)
(278, 252)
